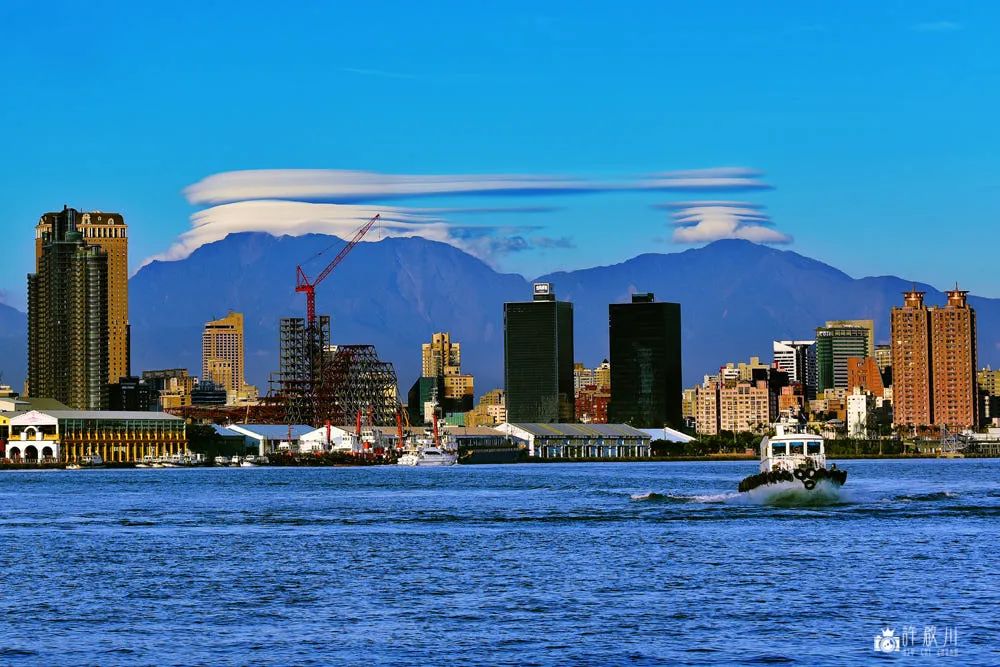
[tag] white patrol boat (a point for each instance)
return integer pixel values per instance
(792, 461)
(428, 456)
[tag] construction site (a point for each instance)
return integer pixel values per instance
(319, 382)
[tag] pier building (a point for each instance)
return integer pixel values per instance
(578, 441)
(68, 436)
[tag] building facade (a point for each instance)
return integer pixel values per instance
(579, 441)
(954, 362)
(71, 436)
(798, 359)
(441, 361)
(864, 373)
(538, 358)
(736, 406)
(834, 346)
(68, 345)
(108, 232)
(934, 361)
(490, 411)
(645, 341)
(222, 355)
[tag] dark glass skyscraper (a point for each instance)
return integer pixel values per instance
(645, 338)
(538, 358)
(68, 319)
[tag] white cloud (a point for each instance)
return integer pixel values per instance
(706, 221)
(291, 218)
(353, 187)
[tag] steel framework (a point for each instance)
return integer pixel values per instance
(356, 381)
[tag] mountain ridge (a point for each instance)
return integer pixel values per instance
(736, 297)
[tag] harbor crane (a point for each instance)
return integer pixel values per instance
(303, 284)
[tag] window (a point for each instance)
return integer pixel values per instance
(814, 447)
(778, 449)
(797, 448)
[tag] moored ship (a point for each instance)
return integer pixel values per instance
(793, 461)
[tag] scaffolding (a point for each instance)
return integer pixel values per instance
(356, 381)
(318, 382)
(300, 367)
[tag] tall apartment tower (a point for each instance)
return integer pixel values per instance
(798, 359)
(934, 362)
(68, 318)
(108, 232)
(440, 355)
(222, 353)
(538, 358)
(834, 346)
(911, 362)
(442, 360)
(645, 340)
(954, 361)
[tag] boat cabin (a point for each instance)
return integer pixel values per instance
(788, 451)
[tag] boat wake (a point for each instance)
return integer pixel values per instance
(793, 494)
(787, 494)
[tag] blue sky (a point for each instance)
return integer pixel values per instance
(873, 124)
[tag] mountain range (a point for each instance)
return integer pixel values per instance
(736, 297)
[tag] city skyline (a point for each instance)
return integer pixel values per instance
(547, 105)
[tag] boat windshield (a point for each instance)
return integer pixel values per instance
(779, 449)
(798, 448)
(814, 447)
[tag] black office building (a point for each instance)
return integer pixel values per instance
(645, 363)
(538, 358)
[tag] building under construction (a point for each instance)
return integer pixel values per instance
(318, 381)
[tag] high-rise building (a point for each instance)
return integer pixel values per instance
(222, 356)
(954, 361)
(934, 362)
(108, 232)
(442, 360)
(867, 325)
(645, 341)
(440, 355)
(68, 318)
(538, 358)
(911, 361)
(834, 346)
(798, 359)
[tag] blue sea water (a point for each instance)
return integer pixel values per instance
(575, 564)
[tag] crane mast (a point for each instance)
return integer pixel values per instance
(303, 284)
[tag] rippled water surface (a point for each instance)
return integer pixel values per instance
(642, 564)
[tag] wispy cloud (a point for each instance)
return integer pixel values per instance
(337, 202)
(936, 26)
(279, 218)
(713, 220)
(358, 187)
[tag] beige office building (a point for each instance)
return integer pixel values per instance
(222, 354)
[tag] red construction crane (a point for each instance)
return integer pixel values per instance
(302, 282)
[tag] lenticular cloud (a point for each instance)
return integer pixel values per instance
(352, 187)
(706, 221)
